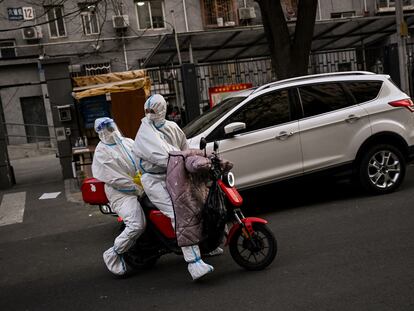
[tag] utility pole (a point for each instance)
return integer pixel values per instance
(402, 33)
(177, 45)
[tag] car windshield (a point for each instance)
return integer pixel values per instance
(204, 121)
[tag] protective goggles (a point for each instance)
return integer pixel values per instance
(108, 124)
(148, 110)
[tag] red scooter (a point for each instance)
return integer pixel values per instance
(252, 245)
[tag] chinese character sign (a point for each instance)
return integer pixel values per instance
(218, 93)
(15, 14)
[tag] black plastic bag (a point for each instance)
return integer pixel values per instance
(214, 217)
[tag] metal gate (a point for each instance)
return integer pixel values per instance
(28, 140)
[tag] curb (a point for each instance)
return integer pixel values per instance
(72, 192)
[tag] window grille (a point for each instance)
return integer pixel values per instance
(97, 69)
(219, 13)
(7, 49)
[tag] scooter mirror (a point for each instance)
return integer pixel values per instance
(203, 143)
(216, 146)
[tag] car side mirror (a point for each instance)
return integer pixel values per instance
(203, 143)
(234, 128)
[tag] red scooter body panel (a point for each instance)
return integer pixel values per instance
(163, 223)
(231, 193)
(93, 192)
(248, 223)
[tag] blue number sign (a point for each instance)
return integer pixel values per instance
(15, 14)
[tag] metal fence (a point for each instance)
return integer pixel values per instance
(168, 81)
(36, 135)
(255, 71)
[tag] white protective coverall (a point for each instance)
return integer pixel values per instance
(156, 137)
(114, 164)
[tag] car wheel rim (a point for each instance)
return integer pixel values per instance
(384, 169)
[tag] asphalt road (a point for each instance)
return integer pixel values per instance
(339, 249)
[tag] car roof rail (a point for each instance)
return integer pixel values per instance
(320, 75)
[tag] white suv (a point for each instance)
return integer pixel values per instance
(355, 121)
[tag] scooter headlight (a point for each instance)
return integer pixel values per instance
(228, 179)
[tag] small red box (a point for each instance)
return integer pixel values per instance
(93, 192)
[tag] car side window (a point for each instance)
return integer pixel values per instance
(363, 91)
(264, 111)
(321, 98)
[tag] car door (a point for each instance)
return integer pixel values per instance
(333, 127)
(269, 147)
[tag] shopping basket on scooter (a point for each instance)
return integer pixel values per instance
(93, 192)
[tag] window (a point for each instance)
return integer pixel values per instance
(343, 14)
(90, 23)
(268, 110)
(207, 119)
(56, 22)
(321, 98)
(7, 49)
(150, 14)
(219, 13)
(364, 91)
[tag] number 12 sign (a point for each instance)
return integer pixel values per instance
(28, 13)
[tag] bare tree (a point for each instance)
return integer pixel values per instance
(290, 54)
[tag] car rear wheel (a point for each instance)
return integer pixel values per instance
(382, 169)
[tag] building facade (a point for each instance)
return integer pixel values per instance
(104, 36)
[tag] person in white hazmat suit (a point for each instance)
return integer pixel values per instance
(156, 137)
(114, 164)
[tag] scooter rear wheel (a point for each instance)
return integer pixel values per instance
(256, 252)
(138, 264)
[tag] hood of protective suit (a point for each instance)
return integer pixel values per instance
(107, 130)
(158, 105)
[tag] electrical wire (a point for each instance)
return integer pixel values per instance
(48, 21)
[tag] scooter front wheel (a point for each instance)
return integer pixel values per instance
(256, 251)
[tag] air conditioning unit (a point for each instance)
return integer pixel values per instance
(120, 21)
(32, 33)
(247, 13)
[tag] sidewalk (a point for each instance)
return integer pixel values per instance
(43, 170)
(36, 177)
(40, 169)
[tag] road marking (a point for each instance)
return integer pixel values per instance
(50, 195)
(12, 208)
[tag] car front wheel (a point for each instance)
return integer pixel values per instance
(382, 169)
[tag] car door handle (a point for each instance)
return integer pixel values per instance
(284, 135)
(352, 118)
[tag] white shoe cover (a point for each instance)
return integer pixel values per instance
(196, 266)
(217, 252)
(114, 262)
(199, 268)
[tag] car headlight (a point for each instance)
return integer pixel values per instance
(229, 179)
